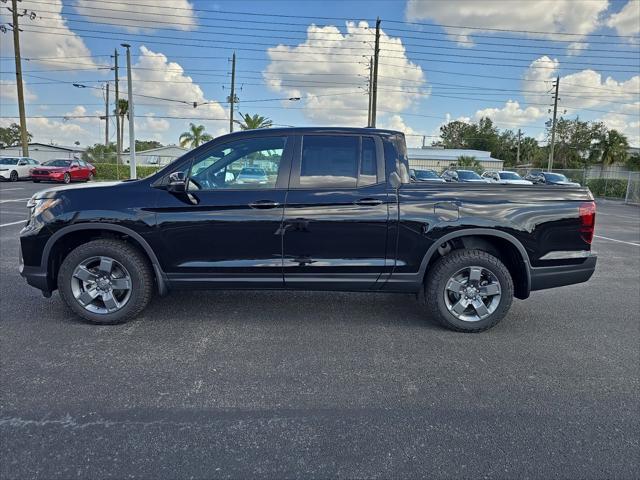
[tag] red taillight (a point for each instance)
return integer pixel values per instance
(587, 221)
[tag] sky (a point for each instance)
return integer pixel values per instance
(440, 60)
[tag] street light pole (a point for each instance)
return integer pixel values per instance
(132, 135)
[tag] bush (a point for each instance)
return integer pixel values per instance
(608, 187)
(112, 171)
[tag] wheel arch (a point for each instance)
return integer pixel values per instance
(56, 241)
(512, 253)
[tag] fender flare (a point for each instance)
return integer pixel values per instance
(468, 232)
(159, 274)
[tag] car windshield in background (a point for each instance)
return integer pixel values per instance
(57, 163)
(253, 171)
(468, 175)
(8, 161)
(426, 175)
(556, 177)
(510, 176)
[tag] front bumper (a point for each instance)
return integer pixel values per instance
(48, 178)
(560, 275)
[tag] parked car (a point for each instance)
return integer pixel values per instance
(252, 175)
(549, 178)
(342, 214)
(426, 176)
(64, 170)
(15, 168)
(506, 178)
(462, 176)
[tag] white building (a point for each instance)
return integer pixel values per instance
(440, 159)
(43, 152)
(157, 156)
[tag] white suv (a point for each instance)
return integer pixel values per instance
(505, 177)
(15, 168)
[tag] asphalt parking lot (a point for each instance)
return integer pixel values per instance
(318, 385)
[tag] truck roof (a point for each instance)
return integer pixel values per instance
(325, 130)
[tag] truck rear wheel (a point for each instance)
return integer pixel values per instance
(106, 281)
(468, 290)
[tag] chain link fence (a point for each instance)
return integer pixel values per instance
(633, 189)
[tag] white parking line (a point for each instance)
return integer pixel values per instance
(619, 241)
(9, 189)
(12, 223)
(15, 200)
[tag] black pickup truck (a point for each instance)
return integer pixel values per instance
(306, 208)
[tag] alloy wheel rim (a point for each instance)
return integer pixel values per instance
(472, 293)
(14, 176)
(101, 285)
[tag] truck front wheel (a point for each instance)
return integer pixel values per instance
(106, 281)
(468, 290)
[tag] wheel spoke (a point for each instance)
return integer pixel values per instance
(459, 307)
(475, 274)
(454, 286)
(480, 308)
(490, 290)
(109, 301)
(88, 296)
(84, 274)
(120, 283)
(106, 264)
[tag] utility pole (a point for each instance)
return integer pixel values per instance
(16, 49)
(553, 124)
(118, 143)
(518, 155)
(232, 97)
(106, 118)
(376, 55)
(370, 90)
(132, 136)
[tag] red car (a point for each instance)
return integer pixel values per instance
(63, 170)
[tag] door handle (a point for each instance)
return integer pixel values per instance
(264, 204)
(369, 202)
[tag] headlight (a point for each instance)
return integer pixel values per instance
(41, 205)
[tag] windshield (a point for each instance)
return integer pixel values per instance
(556, 177)
(8, 161)
(57, 163)
(510, 176)
(426, 174)
(468, 175)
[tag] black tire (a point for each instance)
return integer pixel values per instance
(131, 258)
(66, 178)
(90, 177)
(36, 181)
(446, 267)
(13, 176)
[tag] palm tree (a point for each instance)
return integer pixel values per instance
(613, 146)
(469, 162)
(195, 136)
(252, 122)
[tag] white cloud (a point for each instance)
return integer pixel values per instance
(556, 17)
(9, 92)
(626, 120)
(511, 115)
(396, 122)
(60, 132)
(55, 42)
(627, 20)
(329, 71)
(130, 16)
(154, 75)
(583, 89)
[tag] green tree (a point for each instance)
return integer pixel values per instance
(633, 162)
(250, 122)
(10, 136)
(195, 136)
(100, 153)
(146, 145)
(469, 163)
(576, 142)
(612, 147)
(529, 150)
(454, 134)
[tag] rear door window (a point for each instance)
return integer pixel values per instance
(329, 161)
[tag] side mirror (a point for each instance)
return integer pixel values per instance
(177, 182)
(394, 180)
(22, 163)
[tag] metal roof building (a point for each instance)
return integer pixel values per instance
(440, 159)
